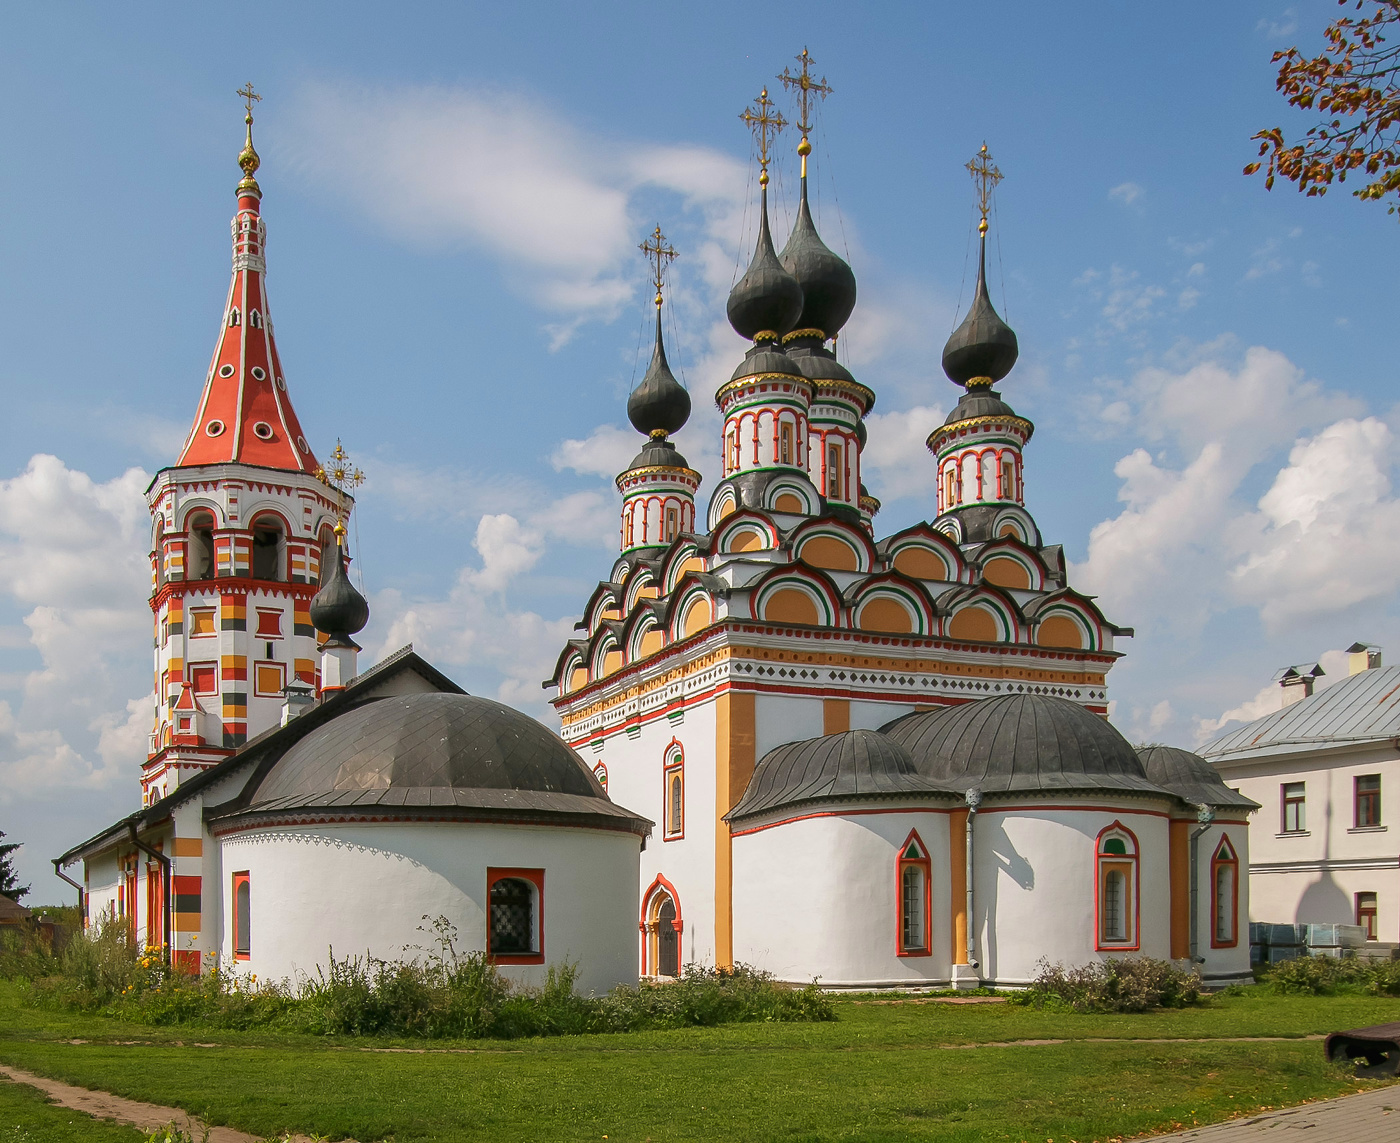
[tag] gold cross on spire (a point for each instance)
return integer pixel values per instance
(250, 97)
(806, 87)
(248, 157)
(659, 252)
(986, 176)
(765, 123)
(342, 476)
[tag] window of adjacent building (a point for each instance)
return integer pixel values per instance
(242, 916)
(1117, 889)
(267, 548)
(1368, 800)
(269, 624)
(202, 621)
(1366, 914)
(785, 443)
(269, 680)
(1224, 892)
(204, 678)
(913, 886)
(200, 560)
(1295, 815)
(515, 930)
(673, 523)
(674, 786)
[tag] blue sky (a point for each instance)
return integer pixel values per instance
(454, 194)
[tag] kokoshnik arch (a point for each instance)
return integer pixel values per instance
(897, 766)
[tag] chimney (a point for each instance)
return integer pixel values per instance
(296, 698)
(1363, 657)
(1296, 682)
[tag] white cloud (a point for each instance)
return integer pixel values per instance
(1125, 300)
(896, 460)
(605, 452)
(1284, 25)
(1126, 193)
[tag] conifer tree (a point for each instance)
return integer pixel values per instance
(9, 879)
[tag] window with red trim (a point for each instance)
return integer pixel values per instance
(1224, 896)
(242, 916)
(1117, 889)
(673, 786)
(1368, 801)
(1366, 914)
(515, 916)
(204, 678)
(913, 885)
(269, 624)
(600, 772)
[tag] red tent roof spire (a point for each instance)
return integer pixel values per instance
(245, 415)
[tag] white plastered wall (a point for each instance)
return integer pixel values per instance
(360, 888)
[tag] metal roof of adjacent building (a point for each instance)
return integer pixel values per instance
(1364, 707)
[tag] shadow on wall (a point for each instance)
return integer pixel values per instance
(989, 834)
(1324, 902)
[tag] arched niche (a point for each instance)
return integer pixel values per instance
(975, 623)
(791, 605)
(1059, 631)
(885, 614)
(919, 562)
(830, 553)
(1006, 572)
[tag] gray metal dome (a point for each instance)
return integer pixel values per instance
(855, 764)
(435, 752)
(1014, 743)
(1191, 778)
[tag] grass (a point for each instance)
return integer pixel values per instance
(26, 1116)
(881, 1071)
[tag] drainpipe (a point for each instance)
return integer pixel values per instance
(974, 799)
(1205, 815)
(165, 885)
(81, 893)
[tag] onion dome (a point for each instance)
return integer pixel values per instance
(827, 283)
(1021, 742)
(979, 402)
(338, 610)
(658, 452)
(855, 765)
(1191, 778)
(767, 301)
(659, 405)
(983, 349)
(765, 358)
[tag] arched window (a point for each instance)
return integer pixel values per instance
(1117, 889)
(267, 548)
(201, 547)
(834, 472)
(913, 886)
(515, 916)
(242, 916)
(673, 523)
(673, 784)
(255, 319)
(950, 493)
(785, 443)
(233, 317)
(662, 928)
(601, 773)
(1008, 478)
(1224, 896)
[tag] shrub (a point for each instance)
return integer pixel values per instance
(1130, 984)
(1324, 975)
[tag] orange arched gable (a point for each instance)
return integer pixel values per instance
(612, 661)
(829, 552)
(1006, 572)
(577, 677)
(974, 623)
(697, 616)
(746, 540)
(789, 605)
(788, 502)
(920, 563)
(1060, 631)
(652, 642)
(884, 614)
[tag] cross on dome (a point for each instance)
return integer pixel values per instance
(805, 87)
(765, 123)
(661, 253)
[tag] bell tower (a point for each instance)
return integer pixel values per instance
(240, 523)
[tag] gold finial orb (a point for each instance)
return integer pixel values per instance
(804, 148)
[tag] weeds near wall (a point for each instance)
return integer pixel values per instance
(1328, 976)
(1130, 984)
(438, 993)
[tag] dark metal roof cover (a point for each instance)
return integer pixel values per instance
(767, 299)
(1016, 743)
(828, 285)
(434, 751)
(660, 402)
(856, 764)
(658, 452)
(1360, 708)
(765, 358)
(980, 403)
(1191, 777)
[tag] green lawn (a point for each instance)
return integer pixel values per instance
(880, 1072)
(28, 1117)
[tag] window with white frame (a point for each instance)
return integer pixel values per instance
(913, 886)
(1117, 877)
(1224, 895)
(673, 785)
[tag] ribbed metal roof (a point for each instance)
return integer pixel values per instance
(1361, 708)
(1191, 777)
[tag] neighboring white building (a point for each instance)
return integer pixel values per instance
(1326, 769)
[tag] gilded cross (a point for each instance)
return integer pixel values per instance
(341, 475)
(986, 176)
(765, 123)
(250, 97)
(805, 87)
(660, 253)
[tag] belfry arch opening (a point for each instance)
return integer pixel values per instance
(269, 546)
(201, 546)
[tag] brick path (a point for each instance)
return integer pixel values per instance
(1367, 1117)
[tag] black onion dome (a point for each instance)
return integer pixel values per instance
(1014, 743)
(984, 345)
(439, 754)
(816, 362)
(979, 402)
(658, 452)
(767, 298)
(1191, 778)
(765, 358)
(856, 764)
(862, 433)
(338, 609)
(828, 285)
(660, 403)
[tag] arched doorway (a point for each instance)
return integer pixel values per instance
(662, 926)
